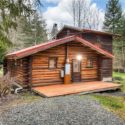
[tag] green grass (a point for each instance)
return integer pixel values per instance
(115, 104)
(117, 74)
(1, 72)
(122, 81)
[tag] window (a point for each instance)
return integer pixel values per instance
(89, 62)
(98, 41)
(52, 62)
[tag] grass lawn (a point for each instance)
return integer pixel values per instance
(122, 77)
(114, 104)
(117, 74)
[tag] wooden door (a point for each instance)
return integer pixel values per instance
(76, 71)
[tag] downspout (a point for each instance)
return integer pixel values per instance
(67, 75)
(18, 89)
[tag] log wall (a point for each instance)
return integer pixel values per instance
(105, 68)
(101, 40)
(42, 75)
(34, 70)
(19, 70)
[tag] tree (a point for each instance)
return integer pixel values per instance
(77, 9)
(34, 30)
(9, 11)
(84, 14)
(115, 23)
(113, 16)
(123, 26)
(29, 32)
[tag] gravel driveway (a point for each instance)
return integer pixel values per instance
(67, 110)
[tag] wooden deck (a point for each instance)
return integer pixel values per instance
(82, 87)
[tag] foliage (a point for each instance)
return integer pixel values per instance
(5, 85)
(9, 11)
(4, 44)
(121, 79)
(30, 31)
(115, 23)
(1, 72)
(84, 14)
(123, 28)
(115, 104)
(34, 31)
(113, 16)
(3, 48)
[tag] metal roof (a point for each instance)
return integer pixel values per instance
(87, 31)
(44, 46)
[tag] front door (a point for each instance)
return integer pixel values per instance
(76, 71)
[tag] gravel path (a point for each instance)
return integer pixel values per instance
(67, 110)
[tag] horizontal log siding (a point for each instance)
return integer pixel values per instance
(18, 69)
(105, 68)
(105, 40)
(87, 74)
(22, 71)
(42, 75)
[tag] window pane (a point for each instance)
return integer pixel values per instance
(89, 62)
(52, 62)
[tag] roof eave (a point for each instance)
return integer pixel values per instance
(31, 51)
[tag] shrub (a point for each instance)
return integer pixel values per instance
(5, 85)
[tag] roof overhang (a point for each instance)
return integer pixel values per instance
(44, 46)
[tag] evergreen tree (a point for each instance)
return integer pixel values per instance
(113, 16)
(9, 11)
(30, 31)
(34, 31)
(115, 23)
(123, 27)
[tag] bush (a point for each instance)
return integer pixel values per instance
(5, 85)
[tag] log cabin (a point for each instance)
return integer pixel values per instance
(74, 55)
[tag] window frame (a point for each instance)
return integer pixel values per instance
(56, 59)
(98, 41)
(89, 59)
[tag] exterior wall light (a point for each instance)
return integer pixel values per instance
(79, 57)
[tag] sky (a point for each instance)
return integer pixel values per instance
(55, 11)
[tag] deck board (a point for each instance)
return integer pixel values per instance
(83, 87)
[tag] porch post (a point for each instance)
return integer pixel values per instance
(67, 75)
